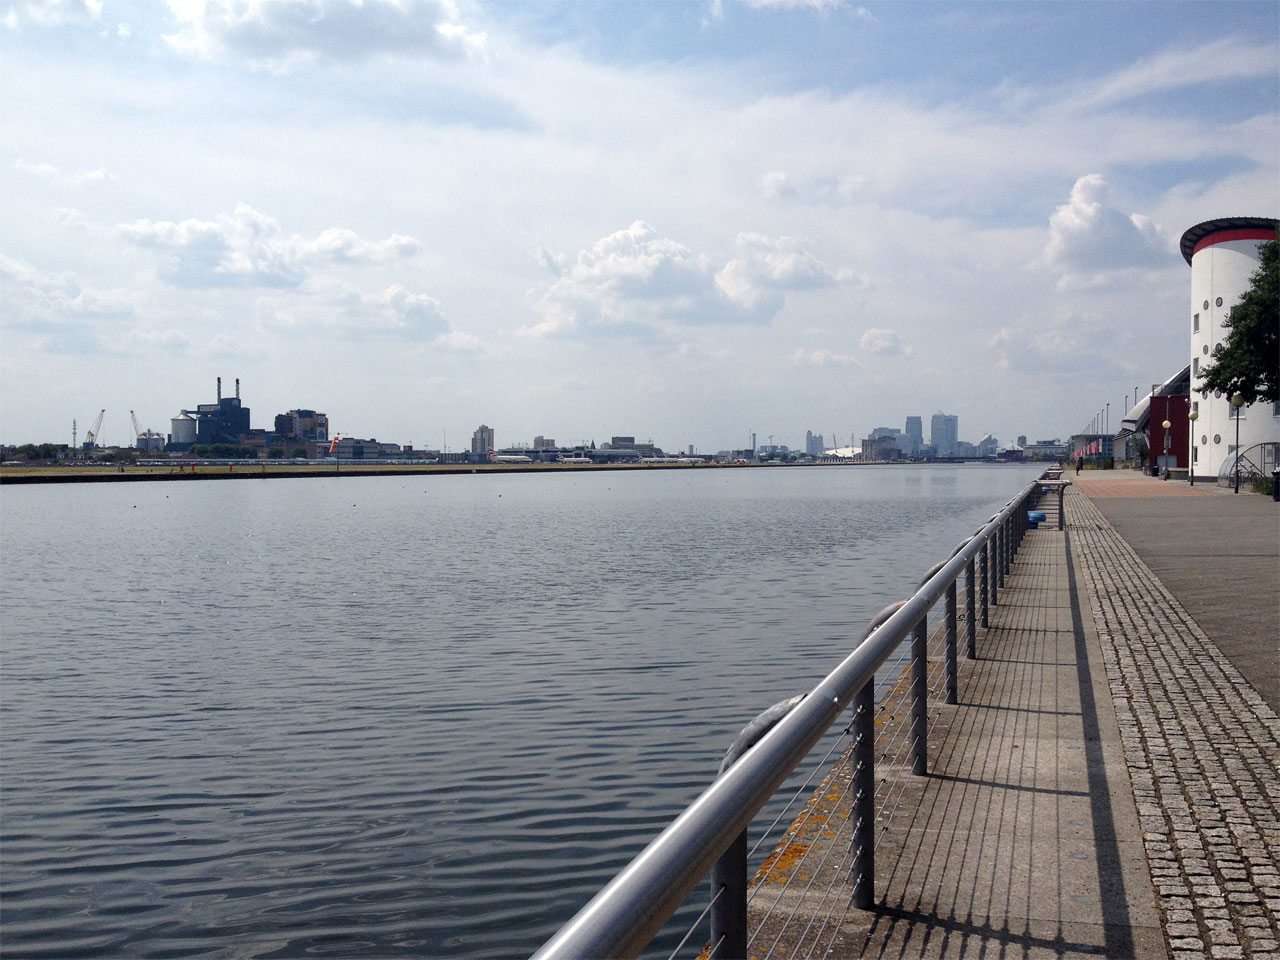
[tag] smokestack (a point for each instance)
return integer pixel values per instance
(219, 389)
(237, 388)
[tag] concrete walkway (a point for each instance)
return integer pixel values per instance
(1108, 785)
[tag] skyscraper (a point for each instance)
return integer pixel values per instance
(482, 441)
(915, 436)
(944, 430)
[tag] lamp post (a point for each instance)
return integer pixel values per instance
(1193, 416)
(1237, 401)
(1166, 426)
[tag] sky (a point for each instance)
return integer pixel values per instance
(681, 221)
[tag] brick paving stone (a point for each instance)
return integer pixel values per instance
(1202, 749)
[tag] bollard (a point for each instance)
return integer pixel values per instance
(1275, 484)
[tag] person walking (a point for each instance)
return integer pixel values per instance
(1079, 465)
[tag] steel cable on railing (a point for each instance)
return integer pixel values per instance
(837, 876)
(793, 833)
(816, 869)
(818, 768)
(697, 923)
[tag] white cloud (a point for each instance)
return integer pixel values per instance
(56, 312)
(1229, 58)
(48, 171)
(635, 282)
(325, 305)
(822, 358)
(883, 343)
(246, 248)
(823, 190)
(1088, 239)
(286, 31)
(49, 13)
(1070, 344)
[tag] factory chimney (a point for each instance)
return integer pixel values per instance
(219, 389)
(237, 388)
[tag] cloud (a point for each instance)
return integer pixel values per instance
(1226, 59)
(53, 308)
(635, 282)
(48, 171)
(883, 343)
(823, 191)
(1088, 239)
(325, 305)
(50, 13)
(245, 248)
(1072, 344)
(281, 32)
(822, 358)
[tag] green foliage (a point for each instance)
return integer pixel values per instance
(1248, 360)
(299, 453)
(1262, 485)
(275, 453)
(38, 451)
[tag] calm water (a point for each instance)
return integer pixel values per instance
(406, 716)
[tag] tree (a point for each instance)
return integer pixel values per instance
(1248, 360)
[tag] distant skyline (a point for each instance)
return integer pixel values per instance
(683, 221)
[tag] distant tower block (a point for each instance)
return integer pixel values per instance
(1223, 255)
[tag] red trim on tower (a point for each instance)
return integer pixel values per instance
(1226, 236)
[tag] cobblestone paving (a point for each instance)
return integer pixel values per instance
(1203, 752)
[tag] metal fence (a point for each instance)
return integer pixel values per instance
(710, 835)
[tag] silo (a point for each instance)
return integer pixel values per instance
(1223, 255)
(183, 429)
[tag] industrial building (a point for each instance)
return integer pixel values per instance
(220, 422)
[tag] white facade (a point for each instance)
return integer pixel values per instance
(1223, 255)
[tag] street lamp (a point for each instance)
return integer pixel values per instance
(1237, 401)
(1166, 426)
(1193, 416)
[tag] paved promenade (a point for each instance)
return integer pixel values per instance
(1108, 785)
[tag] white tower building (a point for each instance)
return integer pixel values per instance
(1223, 255)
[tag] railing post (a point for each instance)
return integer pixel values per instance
(729, 911)
(970, 622)
(1062, 488)
(864, 794)
(1001, 552)
(983, 592)
(920, 698)
(949, 646)
(993, 563)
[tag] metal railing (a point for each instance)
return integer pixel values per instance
(711, 832)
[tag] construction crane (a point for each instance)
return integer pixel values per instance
(91, 435)
(137, 430)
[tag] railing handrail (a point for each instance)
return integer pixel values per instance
(628, 912)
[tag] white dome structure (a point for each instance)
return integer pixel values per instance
(1223, 255)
